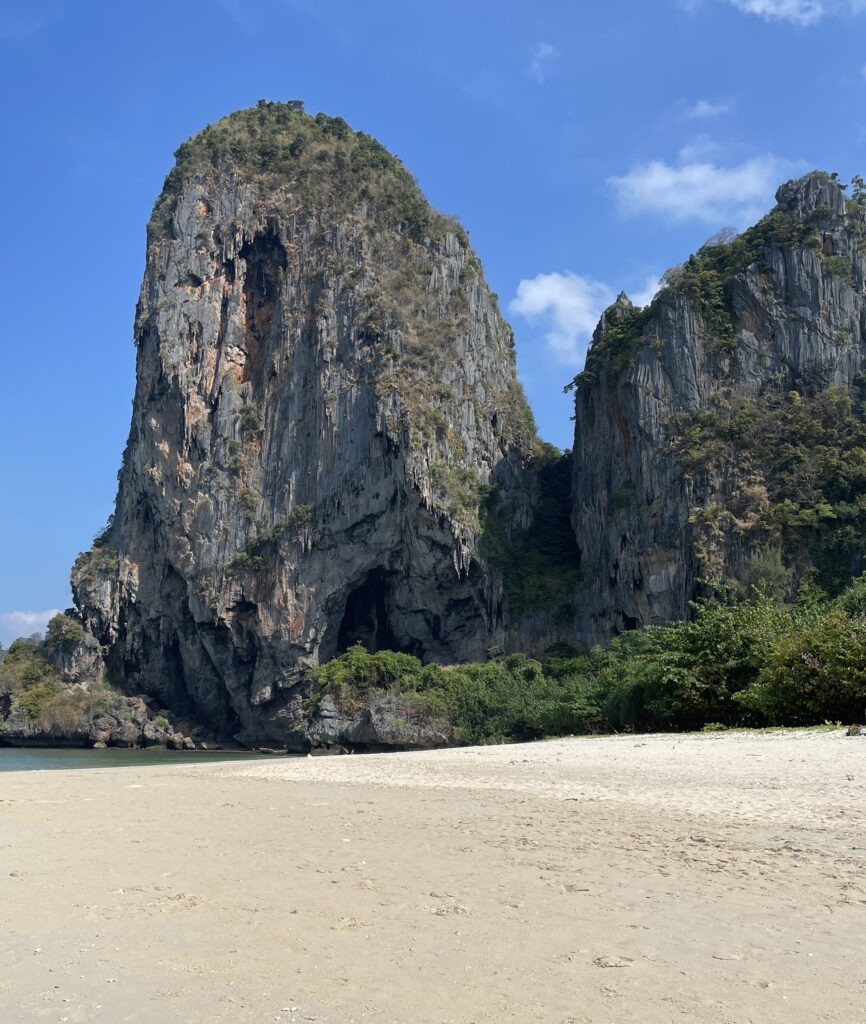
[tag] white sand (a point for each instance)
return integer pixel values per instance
(715, 878)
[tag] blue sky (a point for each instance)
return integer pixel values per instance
(586, 147)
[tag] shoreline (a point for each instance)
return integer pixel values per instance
(715, 878)
(339, 750)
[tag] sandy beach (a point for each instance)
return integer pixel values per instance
(713, 878)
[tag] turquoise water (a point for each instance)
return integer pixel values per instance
(22, 759)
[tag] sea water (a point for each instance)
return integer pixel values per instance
(22, 759)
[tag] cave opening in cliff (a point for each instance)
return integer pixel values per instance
(365, 619)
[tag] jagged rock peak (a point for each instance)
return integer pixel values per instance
(755, 346)
(325, 394)
(621, 308)
(816, 192)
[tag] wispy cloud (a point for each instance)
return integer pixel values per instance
(703, 109)
(15, 624)
(700, 189)
(699, 149)
(544, 56)
(798, 12)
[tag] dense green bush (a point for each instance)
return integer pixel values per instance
(507, 698)
(37, 696)
(815, 672)
(24, 666)
(685, 675)
(750, 662)
(64, 631)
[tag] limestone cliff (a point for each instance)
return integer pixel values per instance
(325, 394)
(52, 695)
(723, 424)
(329, 444)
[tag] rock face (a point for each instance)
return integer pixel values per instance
(52, 694)
(384, 722)
(329, 445)
(128, 722)
(671, 483)
(115, 721)
(77, 660)
(325, 394)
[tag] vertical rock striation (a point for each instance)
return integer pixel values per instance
(325, 393)
(329, 444)
(702, 420)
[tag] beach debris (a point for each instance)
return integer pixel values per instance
(450, 908)
(613, 961)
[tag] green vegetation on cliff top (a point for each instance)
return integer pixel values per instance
(705, 279)
(318, 160)
(317, 165)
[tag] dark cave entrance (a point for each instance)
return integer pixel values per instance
(365, 619)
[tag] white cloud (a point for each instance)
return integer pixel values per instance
(799, 12)
(701, 149)
(796, 12)
(544, 56)
(569, 304)
(700, 189)
(15, 624)
(704, 109)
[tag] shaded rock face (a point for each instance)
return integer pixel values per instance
(97, 721)
(325, 392)
(788, 316)
(388, 721)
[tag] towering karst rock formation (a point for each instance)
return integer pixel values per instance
(329, 444)
(325, 393)
(719, 431)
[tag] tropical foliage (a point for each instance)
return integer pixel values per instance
(749, 662)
